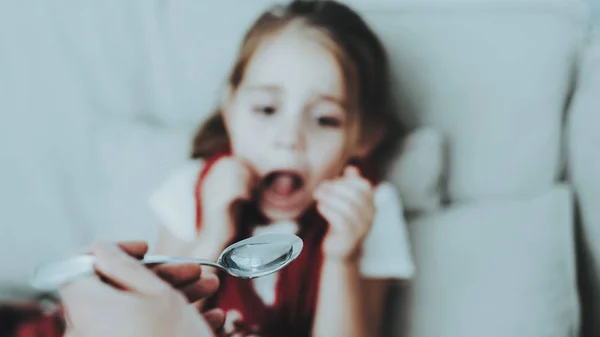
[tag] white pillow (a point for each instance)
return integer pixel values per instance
(493, 78)
(417, 170)
(496, 269)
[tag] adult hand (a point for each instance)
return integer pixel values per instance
(184, 277)
(127, 299)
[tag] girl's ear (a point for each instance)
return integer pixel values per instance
(368, 142)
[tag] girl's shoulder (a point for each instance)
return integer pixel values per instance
(174, 201)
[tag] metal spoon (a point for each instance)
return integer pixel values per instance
(250, 258)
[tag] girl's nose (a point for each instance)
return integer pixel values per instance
(289, 134)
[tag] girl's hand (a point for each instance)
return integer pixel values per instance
(348, 206)
(230, 180)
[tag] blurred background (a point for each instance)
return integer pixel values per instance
(500, 177)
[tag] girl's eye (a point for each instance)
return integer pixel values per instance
(330, 122)
(265, 110)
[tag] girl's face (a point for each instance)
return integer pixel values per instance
(288, 120)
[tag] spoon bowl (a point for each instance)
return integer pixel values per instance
(251, 258)
(260, 255)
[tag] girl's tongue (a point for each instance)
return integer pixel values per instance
(283, 184)
(283, 190)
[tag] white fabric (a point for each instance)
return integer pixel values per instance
(418, 170)
(74, 160)
(493, 77)
(386, 250)
(496, 269)
(174, 201)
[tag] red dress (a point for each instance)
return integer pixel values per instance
(292, 313)
(29, 320)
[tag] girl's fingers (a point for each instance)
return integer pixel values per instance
(358, 200)
(251, 177)
(355, 208)
(352, 175)
(336, 220)
(337, 204)
(351, 171)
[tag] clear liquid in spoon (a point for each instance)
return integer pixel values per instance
(258, 257)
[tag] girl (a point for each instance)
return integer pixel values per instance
(298, 145)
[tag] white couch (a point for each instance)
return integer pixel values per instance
(98, 101)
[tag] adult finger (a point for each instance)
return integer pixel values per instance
(125, 271)
(205, 287)
(136, 249)
(244, 328)
(178, 275)
(77, 295)
(215, 318)
(90, 288)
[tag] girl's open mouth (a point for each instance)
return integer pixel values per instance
(282, 189)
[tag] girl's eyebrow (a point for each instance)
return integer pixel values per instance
(275, 89)
(330, 98)
(341, 103)
(268, 88)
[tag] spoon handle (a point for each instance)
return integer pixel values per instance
(160, 259)
(51, 276)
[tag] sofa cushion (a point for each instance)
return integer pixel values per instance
(493, 77)
(495, 268)
(418, 169)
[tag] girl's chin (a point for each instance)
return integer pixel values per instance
(274, 213)
(278, 208)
